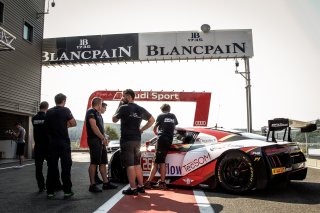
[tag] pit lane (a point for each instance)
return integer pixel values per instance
(18, 193)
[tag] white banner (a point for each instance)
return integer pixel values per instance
(194, 44)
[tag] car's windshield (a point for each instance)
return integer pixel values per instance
(114, 142)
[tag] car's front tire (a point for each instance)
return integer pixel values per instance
(235, 172)
(118, 173)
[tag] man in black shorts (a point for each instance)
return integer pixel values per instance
(164, 128)
(96, 177)
(97, 144)
(41, 142)
(58, 120)
(20, 139)
(131, 116)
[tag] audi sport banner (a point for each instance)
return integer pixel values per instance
(184, 45)
(84, 49)
(202, 100)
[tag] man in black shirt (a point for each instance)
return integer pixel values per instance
(41, 146)
(96, 177)
(164, 128)
(58, 120)
(131, 116)
(97, 144)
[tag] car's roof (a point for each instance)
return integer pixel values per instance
(221, 132)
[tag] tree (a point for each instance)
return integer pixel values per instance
(113, 135)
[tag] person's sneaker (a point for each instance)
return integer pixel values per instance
(149, 184)
(51, 195)
(68, 194)
(130, 191)
(94, 188)
(162, 185)
(109, 185)
(140, 189)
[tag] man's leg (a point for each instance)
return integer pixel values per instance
(66, 163)
(52, 162)
(103, 172)
(153, 171)
(38, 159)
(139, 174)
(92, 171)
(163, 171)
(131, 173)
(96, 177)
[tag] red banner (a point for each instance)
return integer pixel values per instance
(202, 100)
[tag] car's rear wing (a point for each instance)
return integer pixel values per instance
(279, 124)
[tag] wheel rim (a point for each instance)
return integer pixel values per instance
(237, 173)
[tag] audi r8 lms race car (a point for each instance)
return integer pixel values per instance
(236, 161)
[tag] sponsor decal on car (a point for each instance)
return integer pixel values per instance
(278, 170)
(172, 170)
(148, 154)
(207, 139)
(188, 181)
(197, 162)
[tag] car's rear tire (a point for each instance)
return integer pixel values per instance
(118, 173)
(235, 172)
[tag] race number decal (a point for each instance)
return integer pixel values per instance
(146, 163)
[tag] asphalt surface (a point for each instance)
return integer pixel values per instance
(19, 193)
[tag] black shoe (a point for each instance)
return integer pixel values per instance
(162, 185)
(94, 188)
(109, 185)
(150, 184)
(99, 181)
(130, 191)
(140, 189)
(68, 194)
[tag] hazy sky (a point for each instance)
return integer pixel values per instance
(285, 69)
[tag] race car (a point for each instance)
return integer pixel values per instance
(234, 160)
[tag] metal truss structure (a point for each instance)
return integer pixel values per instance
(6, 39)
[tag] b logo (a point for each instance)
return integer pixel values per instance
(84, 42)
(195, 35)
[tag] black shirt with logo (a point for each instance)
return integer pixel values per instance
(39, 131)
(131, 116)
(93, 113)
(56, 122)
(166, 123)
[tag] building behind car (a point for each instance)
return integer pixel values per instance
(21, 35)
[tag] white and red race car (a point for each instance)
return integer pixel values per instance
(237, 161)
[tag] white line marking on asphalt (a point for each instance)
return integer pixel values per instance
(17, 167)
(111, 202)
(203, 203)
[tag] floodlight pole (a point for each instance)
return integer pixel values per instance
(248, 94)
(246, 75)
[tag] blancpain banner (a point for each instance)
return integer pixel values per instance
(148, 46)
(195, 45)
